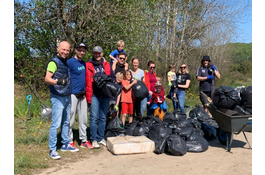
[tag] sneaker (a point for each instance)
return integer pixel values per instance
(86, 145)
(54, 154)
(68, 147)
(95, 144)
(73, 144)
(103, 142)
(174, 99)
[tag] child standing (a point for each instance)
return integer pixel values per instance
(171, 76)
(114, 55)
(158, 104)
(114, 104)
(126, 96)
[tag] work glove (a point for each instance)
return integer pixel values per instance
(213, 67)
(62, 81)
(169, 83)
(116, 107)
(210, 77)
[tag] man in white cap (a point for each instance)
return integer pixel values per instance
(77, 68)
(98, 103)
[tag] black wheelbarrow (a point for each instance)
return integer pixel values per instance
(229, 125)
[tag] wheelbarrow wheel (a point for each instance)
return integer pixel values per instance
(222, 136)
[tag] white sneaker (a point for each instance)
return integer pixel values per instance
(95, 144)
(103, 142)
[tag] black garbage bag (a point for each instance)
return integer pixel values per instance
(114, 132)
(129, 127)
(184, 123)
(184, 133)
(197, 112)
(169, 117)
(159, 133)
(209, 131)
(248, 110)
(100, 80)
(142, 129)
(176, 145)
(197, 143)
(140, 91)
(246, 97)
(179, 115)
(225, 97)
(111, 90)
(208, 120)
(240, 111)
(114, 123)
(150, 120)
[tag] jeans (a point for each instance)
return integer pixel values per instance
(60, 116)
(143, 106)
(98, 113)
(181, 99)
(149, 112)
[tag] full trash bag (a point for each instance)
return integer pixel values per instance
(176, 145)
(114, 132)
(179, 115)
(240, 111)
(197, 112)
(115, 123)
(140, 91)
(225, 97)
(246, 97)
(169, 117)
(100, 80)
(142, 129)
(129, 127)
(111, 90)
(158, 133)
(196, 143)
(184, 133)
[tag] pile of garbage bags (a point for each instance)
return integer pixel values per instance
(232, 101)
(176, 134)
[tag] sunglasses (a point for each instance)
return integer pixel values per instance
(152, 67)
(182, 67)
(81, 50)
(122, 58)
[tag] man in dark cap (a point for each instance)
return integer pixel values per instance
(205, 74)
(77, 68)
(98, 103)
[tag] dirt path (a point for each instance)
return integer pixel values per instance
(216, 160)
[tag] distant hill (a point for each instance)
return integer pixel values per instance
(241, 51)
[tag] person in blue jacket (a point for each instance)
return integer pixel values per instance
(58, 78)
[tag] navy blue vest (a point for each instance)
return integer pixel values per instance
(62, 70)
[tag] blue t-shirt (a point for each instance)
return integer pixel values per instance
(78, 74)
(115, 54)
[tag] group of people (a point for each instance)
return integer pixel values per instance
(73, 90)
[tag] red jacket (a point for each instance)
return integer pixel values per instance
(90, 71)
(147, 81)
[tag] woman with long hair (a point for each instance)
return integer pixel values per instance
(183, 82)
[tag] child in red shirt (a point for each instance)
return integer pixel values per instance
(158, 104)
(126, 96)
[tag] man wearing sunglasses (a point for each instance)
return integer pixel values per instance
(205, 75)
(77, 67)
(121, 65)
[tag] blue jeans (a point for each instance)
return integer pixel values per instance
(143, 106)
(181, 99)
(149, 112)
(98, 113)
(60, 116)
